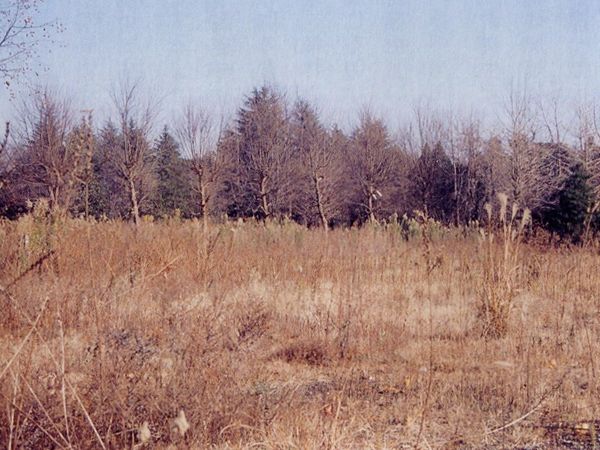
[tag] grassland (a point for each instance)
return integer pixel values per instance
(275, 336)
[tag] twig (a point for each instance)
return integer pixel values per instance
(512, 423)
(165, 267)
(539, 404)
(45, 410)
(35, 264)
(25, 339)
(87, 416)
(54, 360)
(62, 381)
(516, 421)
(41, 428)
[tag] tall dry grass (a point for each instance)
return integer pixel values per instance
(173, 335)
(502, 240)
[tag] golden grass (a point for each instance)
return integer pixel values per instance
(274, 336)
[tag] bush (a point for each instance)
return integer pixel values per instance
(570, 206)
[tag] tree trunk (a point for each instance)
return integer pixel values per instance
(319, 195)
(54, 204)
(456, 194)
(87, 201)
(263, 197)
(53, 196)
(371, 193)
(203, 202)
(135, 211)
(198, 169)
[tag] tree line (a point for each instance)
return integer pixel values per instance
(276, 159)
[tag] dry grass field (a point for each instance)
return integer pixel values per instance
(250, 335)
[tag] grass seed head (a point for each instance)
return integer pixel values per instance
(503, 199)
(180, 425)
(144, 433)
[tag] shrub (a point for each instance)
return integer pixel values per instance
(570, 206)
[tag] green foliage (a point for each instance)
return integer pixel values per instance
(106, 197)
(432, 182)
(173, 188)
(570, 206)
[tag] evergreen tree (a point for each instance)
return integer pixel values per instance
(173, 189)
(259, 156)
(432, 182)
(106, 197)
(569, 210)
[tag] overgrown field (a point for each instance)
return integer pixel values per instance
(275, 336)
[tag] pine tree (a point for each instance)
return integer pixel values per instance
(569, 210)
(106, 196)
(260, 157)
(432, 182)
(173, 189)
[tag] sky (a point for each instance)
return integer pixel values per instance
(384, 55)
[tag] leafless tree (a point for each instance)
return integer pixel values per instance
(265, 151)
(372, 160)
(589, 154)
(433, 127)
(551, 117)
(496, 168)
(133, 158)
(588, 139)
(468, 166)
(320, 159)
(5, 166)
(198, 139)
(49, 159)
(4, 141)
(21, 36)
(584, 133)
(3, 146)
(435, 173)
(527, 162)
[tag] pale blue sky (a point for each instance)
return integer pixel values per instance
(342, 55)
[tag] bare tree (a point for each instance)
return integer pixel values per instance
(431, 127)
(528, 185)
(133, 158)
(21, 36)
(468, 166)
(496, 168)
(3, 146)
(441, 133)
(319, 153)
(550, 114)
(372, 160)
(198, 140)
(588, 137)
(4, 141)
(49, 160)
(584, 133)
(264, 151)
